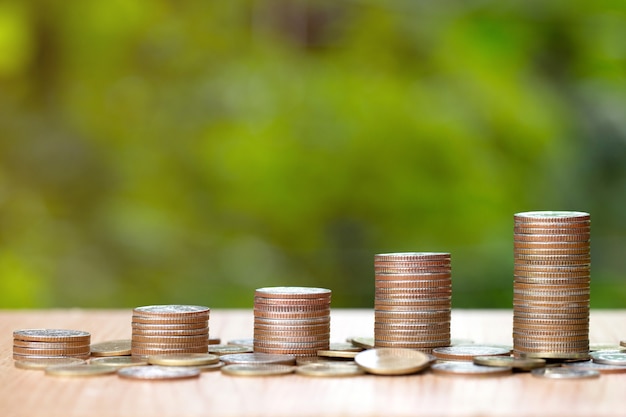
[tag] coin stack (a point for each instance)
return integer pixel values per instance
(412, 301)
(551, 284)
(291, 320)
(50, 343)
(163, 329)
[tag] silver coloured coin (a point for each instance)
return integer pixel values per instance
(155, 372)
(564, 373)
(258, 359)
(609, 357)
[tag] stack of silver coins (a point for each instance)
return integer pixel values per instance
(412, 302)
(165, 329)
(291, 320)
(551, 284)
(31, 344)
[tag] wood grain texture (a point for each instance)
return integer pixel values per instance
(32, 394)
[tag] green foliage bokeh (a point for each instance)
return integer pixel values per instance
(190, 152)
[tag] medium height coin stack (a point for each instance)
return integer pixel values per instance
(165, 329)
(551, 284)
(291, 320)
(412, 300)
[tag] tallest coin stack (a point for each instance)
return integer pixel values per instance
(551, 284)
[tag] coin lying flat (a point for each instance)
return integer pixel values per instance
(468, 352)
(593, 347)
(609, 357)
(594, 366)
(468, 369)
(249, 343)
(210, 367)
(362, 342)
(330, 369)
(119, 361)
(79, 370)
(392, 361)
(257, 370)
(156, 372)
(184, 359)
(259, 359)
(40, 364)
(564, 373)
(228, 349)
(51, 335)
(510, 362)
(111, 348)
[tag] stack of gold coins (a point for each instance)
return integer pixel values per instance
(163, 329)
(412, 301)
(50, 343)
(291, 320)
(551, 284)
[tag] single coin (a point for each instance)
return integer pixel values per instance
(467, 352)
(40, 364)
(111, 348)
(156, 372)
(392, 361)
(210, 367)
(594, 366)
(456, 341)
(468, 369)
(593, 347)
(344, 346)
(51, 335)
(330, 369)
(257, 369)
(50, 345)
(346, 354)
(411, 256)
(622, 343)
(19, 357)
(609, 357)
(51, 352)
(564, 373)
(304, 360)
(510, 362)
(362, 342)
(228, 349)
(119, 361)
(214, 341)
(79, 370)
(258, 359)
(249, 343)
(183, 359)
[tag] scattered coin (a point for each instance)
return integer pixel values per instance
(210, 367)
(183, 359)
(249, 343)
(228, 349)
(609, 357)
(468, 352)
(362, 342)
(40, 364)
(594, 366)
(564, 373)
(79, 370)
(510, 362)
(111, 348)
(392, 361)
(345, 354)
(594, 347)
(157, 372)
(119, 361)
(468, 369)
(257, 369)
(329, 369)
(258, 359)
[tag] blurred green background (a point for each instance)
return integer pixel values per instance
(192, 151)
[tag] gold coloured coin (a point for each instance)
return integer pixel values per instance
(257, 370)
(510, 362)
(40, 364)
(468, 369)
(345, 354)
(184, 359)
(392, 361)
(157, 372)
(79, 370)
(119, 361)
(468, 352)
(564, 373)
(210, 367)
(259, 359)
(330, 369)
(119, 347)
(362, 342)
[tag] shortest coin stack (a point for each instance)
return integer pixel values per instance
(166, 329)
(291, 320)
(50, 343)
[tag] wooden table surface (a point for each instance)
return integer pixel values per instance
(32, 394)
